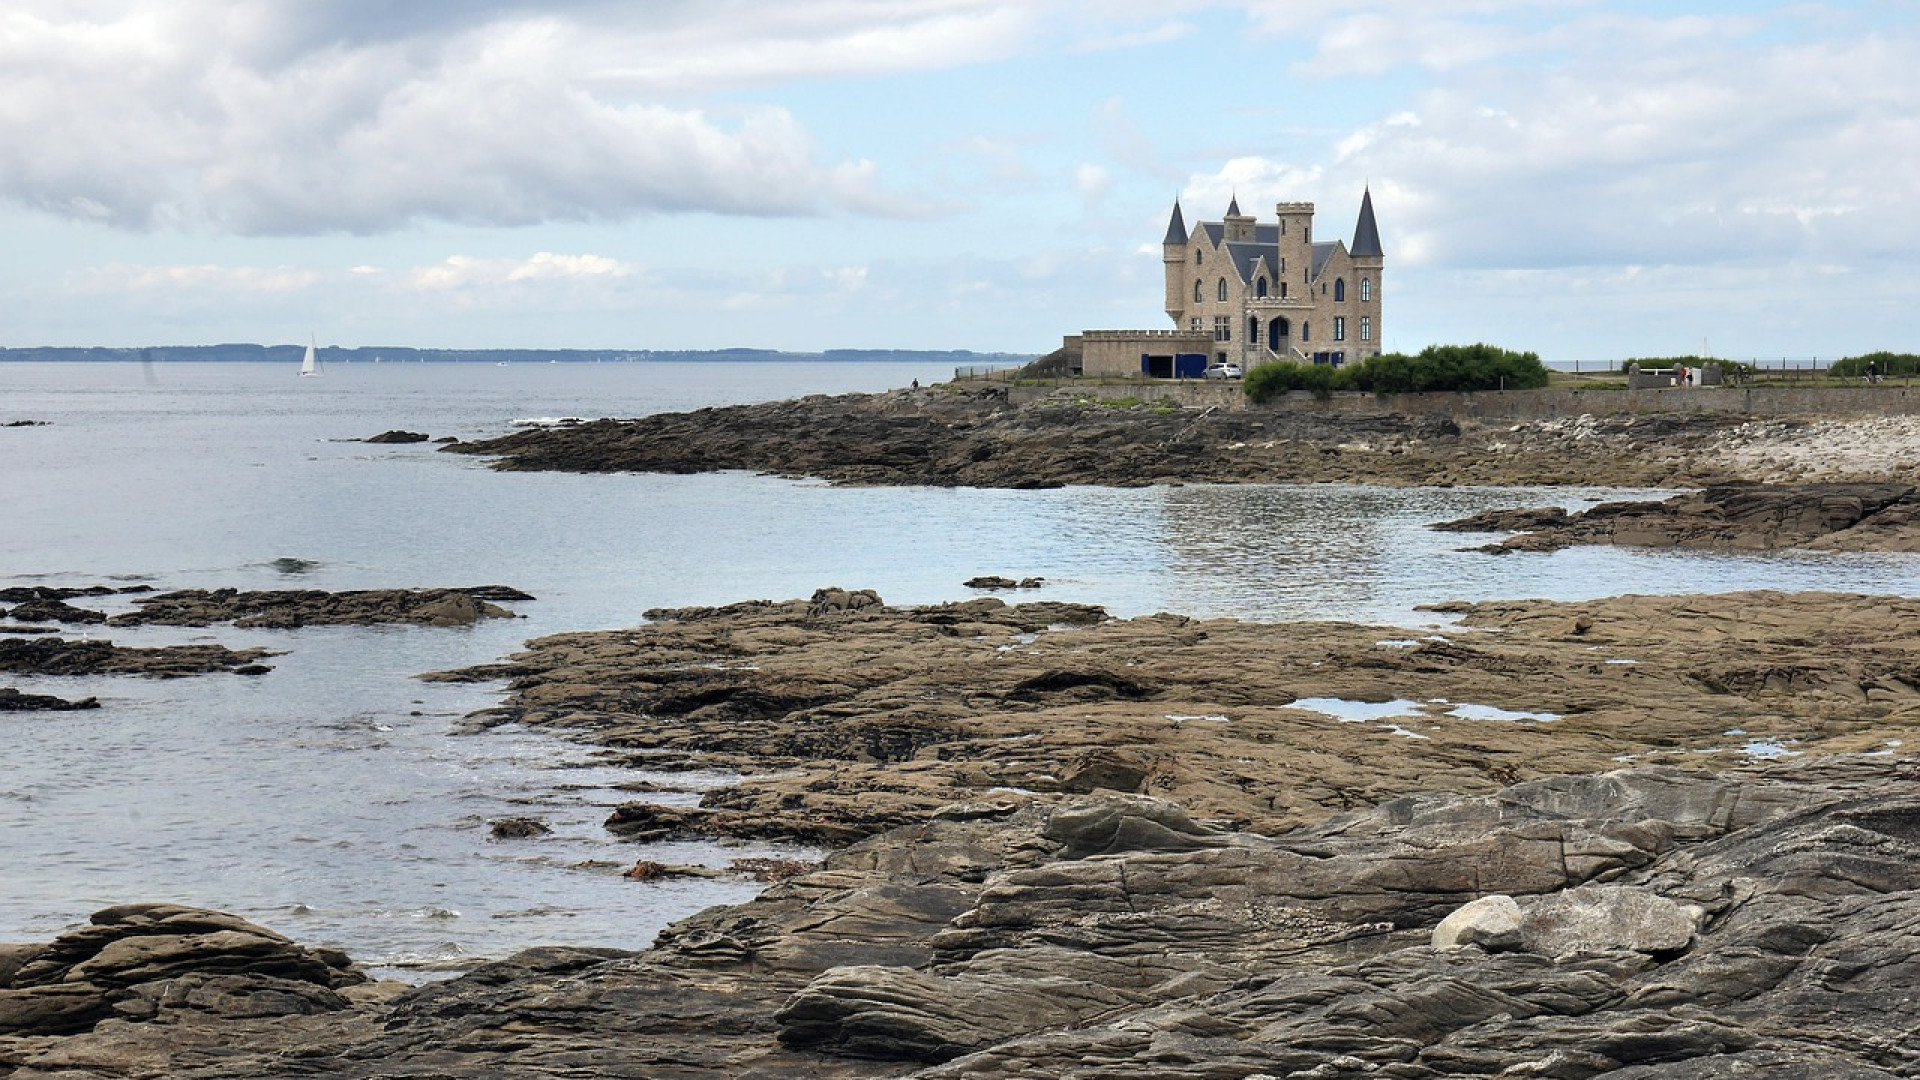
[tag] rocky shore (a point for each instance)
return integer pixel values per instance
(1637, 837)
(955, 436)
(1739, 517)
(1644, 923)
(849, 717)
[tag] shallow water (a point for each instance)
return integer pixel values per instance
(332, 798)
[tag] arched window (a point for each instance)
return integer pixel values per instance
(1223, 290)
(1260, 287)
(1366, 290)
(1339, 290)
(1199, 256)
(1306, 331)
(1199, 290)
(1253, 328)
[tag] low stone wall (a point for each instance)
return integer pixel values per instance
(1882, 400)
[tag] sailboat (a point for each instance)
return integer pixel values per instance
(309, 364)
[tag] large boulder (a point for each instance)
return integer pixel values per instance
(1607, 918)
(1491, 922)
(136, 960)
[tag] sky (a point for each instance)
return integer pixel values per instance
(1587, 180)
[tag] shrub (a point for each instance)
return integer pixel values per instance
(1450, 368)
(1646, 362)
(1889, 363)
(1436, 367)
(1271, 380)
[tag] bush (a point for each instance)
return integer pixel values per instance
(1449, 368)
(1436, 367)
(1887, 363)
(1271, 380)
(1646, 362)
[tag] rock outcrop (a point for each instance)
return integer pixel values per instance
(1072, 846)
(288, 608)
(139, 962)
(1751, 517)
(961, 436)
(848, 721)
(12, 700)
(1670, 924)
(62, 656)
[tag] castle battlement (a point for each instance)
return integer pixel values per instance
(1287, 208)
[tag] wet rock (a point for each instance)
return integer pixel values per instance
(1524, 520)
(519, 828)
(397, 436)
(999, 582)
(1826, 516)
(60, 656)
(289, 608)
(648, 870)
(835, 600)
(55, 611)
(12, 700)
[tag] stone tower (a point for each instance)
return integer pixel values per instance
(1174, 254)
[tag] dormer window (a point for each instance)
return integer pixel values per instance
(1260, 286)
(1223, 290)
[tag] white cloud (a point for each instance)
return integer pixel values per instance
(268, 118)
(1661, 142)
(1092, 182)
(202, 279)
(459, 272)
(1256, 182)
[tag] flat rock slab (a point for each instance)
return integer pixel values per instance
(288, 608)
(848, 717)
(1740, 517)
(12, 700)
(61, 656)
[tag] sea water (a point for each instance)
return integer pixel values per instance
(336, 798)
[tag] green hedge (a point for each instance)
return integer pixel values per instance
(1646, 362)
(1436, 367)
(1888, 364)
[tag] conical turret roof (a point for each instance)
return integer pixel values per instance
(1176, 228)
(1366, 234)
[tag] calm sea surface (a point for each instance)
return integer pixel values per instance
(332, 798)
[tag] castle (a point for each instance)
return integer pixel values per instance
(1245, 293)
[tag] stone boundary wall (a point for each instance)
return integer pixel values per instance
(1886, 400)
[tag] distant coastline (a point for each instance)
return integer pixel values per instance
(249, 353)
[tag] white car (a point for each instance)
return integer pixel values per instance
(1222, 371)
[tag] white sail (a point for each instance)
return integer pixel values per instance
(309, 364)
